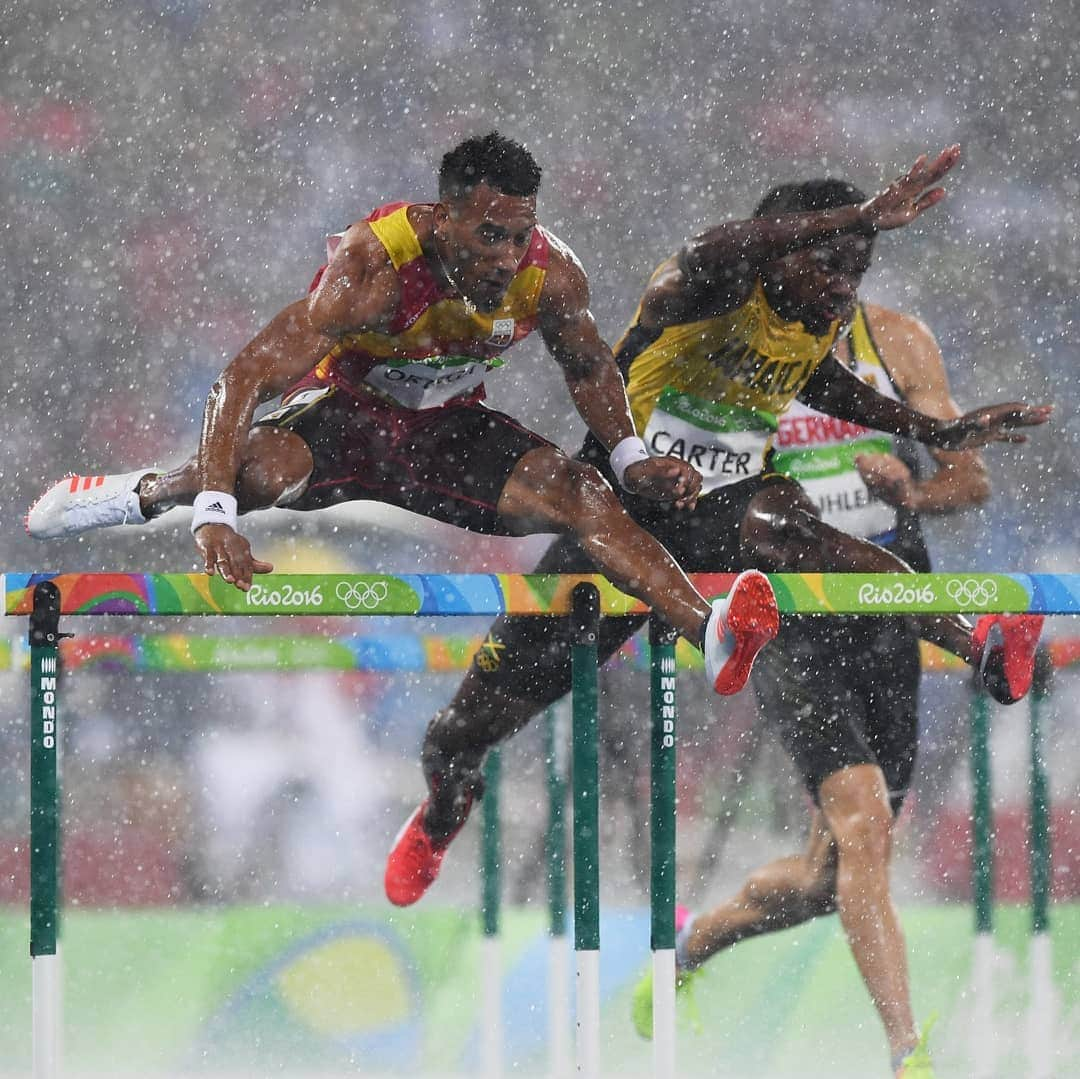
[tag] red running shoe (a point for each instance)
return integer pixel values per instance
(415, 858)
(1005, 653)
(740, 625)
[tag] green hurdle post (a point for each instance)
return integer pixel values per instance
(585, 628)
(555, 844)
(983, 1057)
(491, 1028)
(1041, 1019)
(662, 845)
(45, 829)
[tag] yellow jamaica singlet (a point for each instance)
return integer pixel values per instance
(710, 391)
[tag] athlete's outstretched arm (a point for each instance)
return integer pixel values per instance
(287, 348)
(592, 376)
(352, 294)
(834, 390)
(284, 350)
(913, 359)
(355, 292)
(733, 250)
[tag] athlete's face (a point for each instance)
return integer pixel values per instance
(483, 237)
(817, 285)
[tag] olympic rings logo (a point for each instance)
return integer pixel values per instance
(363, 594)
(970, 592)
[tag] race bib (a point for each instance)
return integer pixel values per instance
(830, 477)
(725, 443)
(427, 384)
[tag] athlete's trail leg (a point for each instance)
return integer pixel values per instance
(275, 464)
(782, 894)
(548, 491)
(782, 532)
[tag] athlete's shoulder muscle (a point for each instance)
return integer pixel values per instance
(913, 359)
(566, 284)
(359, 290)
(675, 294)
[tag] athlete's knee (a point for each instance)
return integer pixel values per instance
(585, 498)
(864, 833)
(444, 756)
(819, 889)
(274, 469)
(480, 716)
(778, 525)
(766, 531)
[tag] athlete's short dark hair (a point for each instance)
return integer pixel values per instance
(807, 196)
(493, 159)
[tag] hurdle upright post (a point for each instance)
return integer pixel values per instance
(555, 765)
(491, 1027)
(45, 830)
(585, 631)
(983, 1055)
(662, 828)
(1041, 1004)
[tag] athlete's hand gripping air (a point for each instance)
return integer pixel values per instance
(911, 194)
(664, 479)
(992, 423)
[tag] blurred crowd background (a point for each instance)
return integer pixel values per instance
(168, 174)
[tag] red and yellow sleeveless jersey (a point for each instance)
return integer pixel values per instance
(438, 349)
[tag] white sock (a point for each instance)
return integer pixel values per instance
(682, 941)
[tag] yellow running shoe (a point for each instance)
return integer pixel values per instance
(685, 1005)
(917, 1064)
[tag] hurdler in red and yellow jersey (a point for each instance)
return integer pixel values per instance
(438, 347)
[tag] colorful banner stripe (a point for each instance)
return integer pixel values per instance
(537, 594)
(383, 653)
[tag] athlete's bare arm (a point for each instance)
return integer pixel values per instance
(715, 271)
(913, 360)
(283, 351)
(834, 390)
(286, 349)
(358, 291)
(592, 376)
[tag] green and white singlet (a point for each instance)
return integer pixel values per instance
(819, 451)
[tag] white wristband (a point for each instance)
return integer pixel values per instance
(214, 508)
(628, 451)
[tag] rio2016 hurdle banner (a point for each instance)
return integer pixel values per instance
(375, 653)
(537, 594)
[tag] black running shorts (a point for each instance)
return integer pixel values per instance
(841, 692)
(449, 463)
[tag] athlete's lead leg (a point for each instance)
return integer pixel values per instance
(547, 491)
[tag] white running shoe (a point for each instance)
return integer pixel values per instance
(79, 503)
(740, 625)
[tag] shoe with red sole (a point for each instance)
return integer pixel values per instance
(416, 857)
(740, 625)
(1005, 653)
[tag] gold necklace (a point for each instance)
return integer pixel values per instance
(470, 307)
